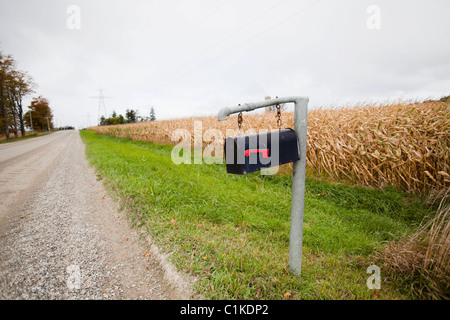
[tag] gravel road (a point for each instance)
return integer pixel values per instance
(62, 237)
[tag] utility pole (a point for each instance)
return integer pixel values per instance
(101, 103)
(31, 122)
(48, 124)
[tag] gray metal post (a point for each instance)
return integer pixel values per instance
(299, 170)
(298, 188)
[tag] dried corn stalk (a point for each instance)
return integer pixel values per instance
(405, 145)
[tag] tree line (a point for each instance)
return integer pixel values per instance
(15, 85)
(131, 116)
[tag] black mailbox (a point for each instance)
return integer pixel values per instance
(253, 152)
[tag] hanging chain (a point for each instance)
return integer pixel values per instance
(279, 122)
(279, 116)
(240, 120)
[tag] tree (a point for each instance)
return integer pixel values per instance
(6, 65)
(114, 119)
(152, 114)
(121, 119)
(131, 115)
(14, 86)
(20, 84)
(40, 112)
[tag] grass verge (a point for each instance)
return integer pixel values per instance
(26, 137)
(232, 232)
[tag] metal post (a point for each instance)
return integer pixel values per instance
(298, 188)
(299, 170)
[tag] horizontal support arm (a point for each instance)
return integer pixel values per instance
(224, 112)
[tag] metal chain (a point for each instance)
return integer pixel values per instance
(279, 116)
(240, 120)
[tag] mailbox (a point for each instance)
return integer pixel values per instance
(253, 152)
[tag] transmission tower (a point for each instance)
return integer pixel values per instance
(101, 103)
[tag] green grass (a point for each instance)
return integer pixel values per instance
(232, 232)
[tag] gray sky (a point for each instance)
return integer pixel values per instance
(193, 57)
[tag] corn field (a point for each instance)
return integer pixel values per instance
(403, 144)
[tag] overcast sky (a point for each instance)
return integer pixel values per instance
(193, 57)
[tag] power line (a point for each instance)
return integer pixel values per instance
(247, 40)
(274, 26)
(184, 38)
(197, 26)
(221, 41)
(101, 102)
